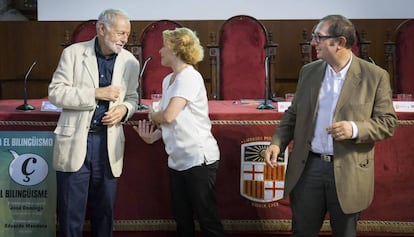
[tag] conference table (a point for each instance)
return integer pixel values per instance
(143, 193)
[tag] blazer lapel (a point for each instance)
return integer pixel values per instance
(118, 70)
(91, 64)
(316, 81)
(351, 82)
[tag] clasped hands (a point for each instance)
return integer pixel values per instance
(115, 114)
(108, 93)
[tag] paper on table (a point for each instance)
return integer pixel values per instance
(47, 106)
(251, 101)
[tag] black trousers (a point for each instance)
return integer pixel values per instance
(193, 193)
(313, 197)
(92, 185)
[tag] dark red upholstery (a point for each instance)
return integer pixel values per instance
(405, 57)
(242, 55)
(85, 31)
(152, 42)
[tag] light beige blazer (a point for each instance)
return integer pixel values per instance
(366, 99)
(73, 88)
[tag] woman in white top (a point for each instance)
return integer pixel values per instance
(183, 123)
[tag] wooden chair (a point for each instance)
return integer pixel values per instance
(399, 57)
(241, 62)
(151, 43)
(83, 32)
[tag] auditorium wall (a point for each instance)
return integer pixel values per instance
(40, 41)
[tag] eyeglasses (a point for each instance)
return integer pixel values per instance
(319, 38)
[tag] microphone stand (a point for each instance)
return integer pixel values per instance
(266, 104)
(25, 106)
(140, 105)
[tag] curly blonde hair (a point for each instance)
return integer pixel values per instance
(185, 43)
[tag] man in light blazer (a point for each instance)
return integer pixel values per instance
(95, 83)
(342, 106)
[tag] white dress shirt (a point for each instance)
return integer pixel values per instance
(332, 83)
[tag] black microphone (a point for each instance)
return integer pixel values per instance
(25, 106)
(142, 106)
(266, 104)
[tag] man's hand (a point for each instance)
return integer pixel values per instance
(147, 131)
(340, 130)
(109, 93)
(114, 115)
(271, 154)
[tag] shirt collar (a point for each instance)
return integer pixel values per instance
(341, 74)
(99, 52)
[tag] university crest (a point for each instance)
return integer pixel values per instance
(258, 181)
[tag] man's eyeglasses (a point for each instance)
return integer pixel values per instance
(319, 38)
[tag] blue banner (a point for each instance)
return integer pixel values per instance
(27, 184)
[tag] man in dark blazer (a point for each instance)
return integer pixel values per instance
(342, 106)
(95, 83)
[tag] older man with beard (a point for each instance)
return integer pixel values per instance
(95, 83)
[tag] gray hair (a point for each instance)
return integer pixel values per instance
(107, 17)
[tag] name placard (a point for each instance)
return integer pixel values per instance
(403, 106)
(283, 105)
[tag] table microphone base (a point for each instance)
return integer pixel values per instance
(142, 107)
(25, 107)
(265, 106)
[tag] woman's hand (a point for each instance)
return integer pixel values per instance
(147, 131)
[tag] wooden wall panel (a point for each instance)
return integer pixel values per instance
(24, 42)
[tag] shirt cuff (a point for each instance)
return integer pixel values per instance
(354, 130)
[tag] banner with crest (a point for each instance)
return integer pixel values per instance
(258, 181)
